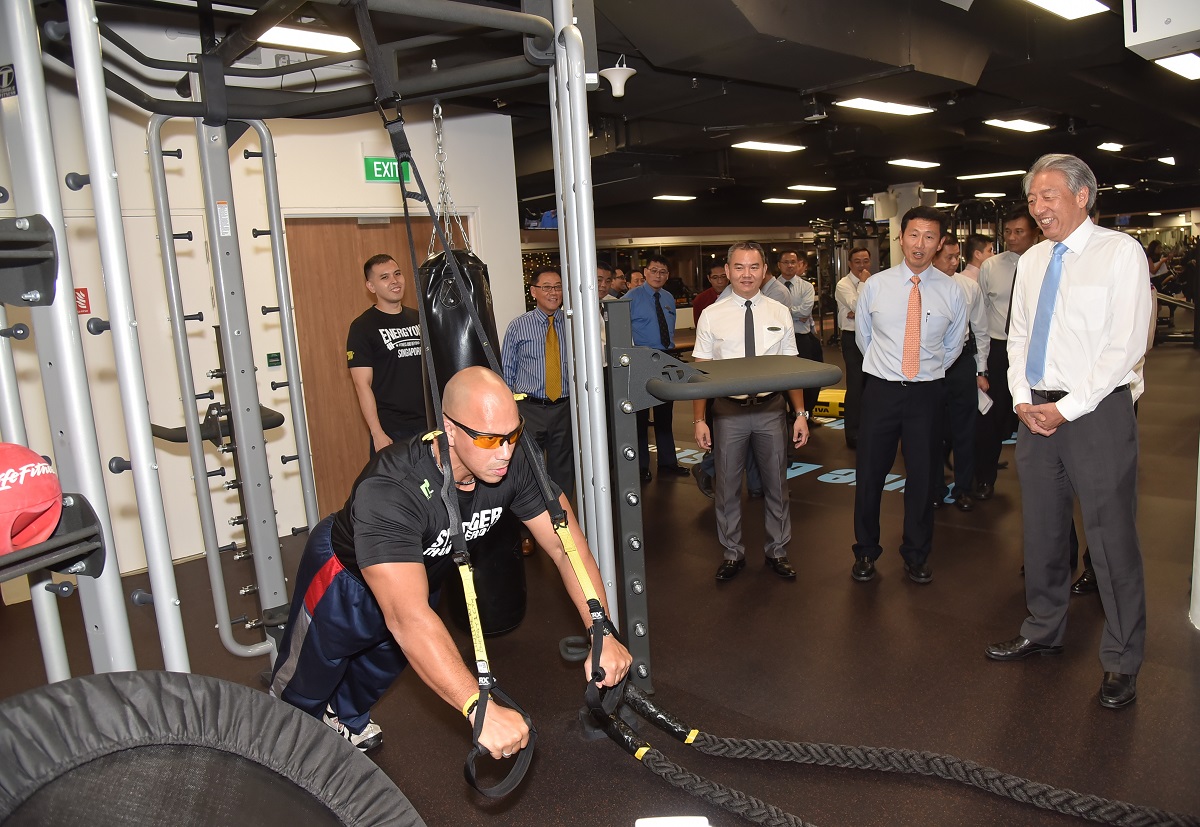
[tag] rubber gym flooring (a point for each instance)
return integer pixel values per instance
(887, 663)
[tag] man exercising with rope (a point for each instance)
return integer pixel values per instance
(368, 581)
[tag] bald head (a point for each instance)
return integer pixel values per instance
(476, 396)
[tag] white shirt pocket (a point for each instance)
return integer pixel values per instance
(1086, 307)
(933, 328)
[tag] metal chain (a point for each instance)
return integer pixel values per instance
(446, 211)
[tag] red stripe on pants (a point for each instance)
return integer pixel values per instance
(316, 589)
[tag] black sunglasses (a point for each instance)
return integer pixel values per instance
(490, 442)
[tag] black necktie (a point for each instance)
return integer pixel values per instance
(664, 332)
(749, 328)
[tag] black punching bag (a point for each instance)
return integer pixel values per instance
(496, 558)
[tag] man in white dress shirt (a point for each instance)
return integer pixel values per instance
(801, 296)
(910, 322)
(747, 323)
(846, 293)
(1078, 331)
(996, 277)
(964, 379)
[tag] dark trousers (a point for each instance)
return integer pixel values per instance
(550, 427)
(998, 423)
(852, 410)
(958, 426)
(1094, 458)
(904, 413)
(337, 649)
(664, 437)
(809, 347)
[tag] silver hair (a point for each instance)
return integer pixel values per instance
(1077, 173)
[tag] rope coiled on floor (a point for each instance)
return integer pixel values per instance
(883, 759)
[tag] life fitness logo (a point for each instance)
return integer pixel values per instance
(10, 478)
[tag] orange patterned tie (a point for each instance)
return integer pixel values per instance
(911, 361)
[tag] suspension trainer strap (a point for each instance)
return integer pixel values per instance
(387, 98)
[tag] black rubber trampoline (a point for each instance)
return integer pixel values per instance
(154, 748)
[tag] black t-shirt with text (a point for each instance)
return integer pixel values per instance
(390, 344)
(395, 512)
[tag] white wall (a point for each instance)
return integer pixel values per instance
(321, 173)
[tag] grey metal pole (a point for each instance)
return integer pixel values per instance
(45, 604)
(60, 351)
(573, 95)
(89, 77)
(1195, 608)
(262, 532)
(572, 297)
(187, 388)
(287, 323)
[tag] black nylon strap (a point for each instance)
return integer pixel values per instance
(385, 91)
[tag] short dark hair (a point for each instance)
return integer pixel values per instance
(381, 258)
(947, 238)
(854, 250)
(537, 274)
(976, 243)
(660, 258)
(716, 262)
(1018, 213)
(605, 266)
(747, 245)
(925, 214)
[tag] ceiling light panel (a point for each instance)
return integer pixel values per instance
(811, 188)
(1187, 66)
(979, 175)
(989, 195)
(1019, 125)
(1071, 9)
(909, 162)
(886, 107)
(764, 146)
(308, 40)
(674, 198)
(1109, 146)
(783, 201)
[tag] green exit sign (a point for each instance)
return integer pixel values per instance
(383, 170)
(273, 360)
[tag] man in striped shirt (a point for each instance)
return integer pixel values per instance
(547, 404)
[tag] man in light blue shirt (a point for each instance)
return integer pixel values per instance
(652, 313)
(910, 323)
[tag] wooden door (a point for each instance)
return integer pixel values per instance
(325, 256)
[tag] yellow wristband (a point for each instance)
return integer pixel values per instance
(469, 706)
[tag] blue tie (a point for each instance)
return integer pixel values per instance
(1035, 361)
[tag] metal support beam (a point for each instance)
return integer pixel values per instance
(261, 529)
(131, 379)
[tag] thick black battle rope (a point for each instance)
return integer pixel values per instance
(734, 801)
(884, 759)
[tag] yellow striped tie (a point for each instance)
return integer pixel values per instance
(553, 363)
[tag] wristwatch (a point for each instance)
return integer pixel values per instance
(803, 414)
(982, 373)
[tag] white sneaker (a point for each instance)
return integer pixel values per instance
(365, 741)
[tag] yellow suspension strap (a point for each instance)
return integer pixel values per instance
(488, 687)
(601, 703)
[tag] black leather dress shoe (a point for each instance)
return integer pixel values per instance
(645, 475)
(730, 568)
(919, 572)
(864, 569)
(1000, 466)
(1019, 647)
(703, 481)
(756, 493)
(963, 502)
(1086, 584)
(782, 567)
(938, 502)
(984, 491)
(1117, 690)
(672, 470)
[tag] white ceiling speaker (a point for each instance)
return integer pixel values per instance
(618, 76)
